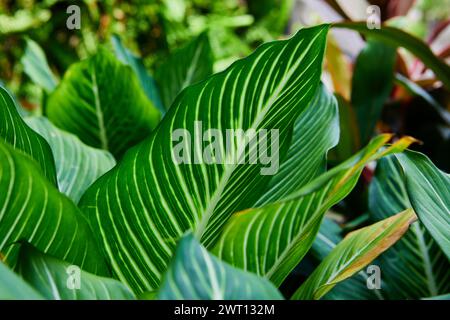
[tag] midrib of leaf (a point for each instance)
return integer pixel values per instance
(192, 67)
(431, 282)
(99, 112)
(206, 215)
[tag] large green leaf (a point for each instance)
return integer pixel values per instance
(16, 132)
(136, 63)
(195, 274)
(414, 267)
(77, 165)
(372, 82)
(36, 67)
(428, 190)
(140, 208)
(32, 209)
(271, 240)
(100, 100)
(357, 250)
(185, 66)
(55, 279)
(12, 287)
(315, 132)
(397, 37)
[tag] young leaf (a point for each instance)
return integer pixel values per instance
(100, 100)
(429, 192)
(185, 66)
(271, 240)
(77, 165)
(372, 84)
(36, 67)
(51, 277)
(146, 80)
(15, 131)
(357, 250)
(12, 287)
(195, 274)
(140, 208)
(32, 209)
(414, 267)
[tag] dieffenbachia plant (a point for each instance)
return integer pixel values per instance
(94, 204)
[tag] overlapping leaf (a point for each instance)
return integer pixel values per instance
(271, 240)
(357, 250)
(13, 287)
(77, 165)
(15, 131)
(58, 280)
(100, 100)
(140, 208)
(32, 209)
(196, 274)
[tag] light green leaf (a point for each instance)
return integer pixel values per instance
(77, 165)
(36, 67)
(100, 100)
(372, 82)
(195, 274)
(428, 190)
(357, 250)
(397, 37)
(271, 240)
(142, 206)
(184, 67)
(15, 131)
(136, 63)
(51, 277)
(13, 287)
(32, 209)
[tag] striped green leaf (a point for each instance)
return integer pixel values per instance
(100, 100)
(185, 66)
(428, 190)
(55, 279)
(272, 239)
(140, 208)
(316, 131)
(13, 287)
(146, 80)
(415, 267)
(15, 131)
(77, 165)
(195, 274)
(36, 67)
(356, 251)
(32, 209)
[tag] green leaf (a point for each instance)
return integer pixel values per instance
(15, 131)
(36, 66)
(428, 190)
(140, 208)
(100, 100)
(51, 277)
(195, 274)
(316, 131)
(32, 209)
(136, 63)
(397, 37)
(372, 82)
(414, 267)
(271, 240)
(77, 165)
(13, 287)
(184, 67)
(356, 251)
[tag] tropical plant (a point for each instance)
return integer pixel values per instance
(92, 185)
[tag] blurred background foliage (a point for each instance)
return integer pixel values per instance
(379, 88)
